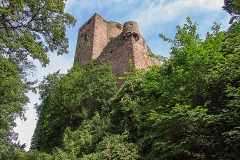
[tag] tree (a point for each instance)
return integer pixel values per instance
(68, 100)
(12, 100)
(29, 29)
(233, 8)
(188, 108)
(196, 117)
(32, 28)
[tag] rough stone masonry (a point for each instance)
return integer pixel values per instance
(111, 42)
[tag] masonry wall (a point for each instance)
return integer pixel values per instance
(113, 30)
(93, 36)
(129, 45)
(112, 42)
(141, 56)
(99, 36)
(85, 43)
(119, 52)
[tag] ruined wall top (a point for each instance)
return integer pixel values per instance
(130, 27)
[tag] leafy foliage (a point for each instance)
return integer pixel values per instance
(68, 96)
(233, 8)
(29, 29)
(12, 100)
(33, 28)
(181, 109)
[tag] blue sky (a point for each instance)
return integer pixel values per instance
(152, 16)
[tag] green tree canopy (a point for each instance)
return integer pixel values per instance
(68, 100)
(29, 29)
(33, 28)
(12, 102)
(233, 8)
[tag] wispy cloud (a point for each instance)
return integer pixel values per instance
(161, 12)
(82, 8)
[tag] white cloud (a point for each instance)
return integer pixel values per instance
(26, 128)
(166, 11)
(110, 6)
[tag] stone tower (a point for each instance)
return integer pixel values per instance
(110, 41)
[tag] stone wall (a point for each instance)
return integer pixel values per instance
(112, 42)
(84, 47)
(99, 36)
(118, 51)
(113, 30)
(93, 36)
(142, 53)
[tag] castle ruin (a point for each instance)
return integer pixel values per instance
(111, 42)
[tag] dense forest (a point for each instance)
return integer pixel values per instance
(187, 108)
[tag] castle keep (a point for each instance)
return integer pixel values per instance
(110, 41)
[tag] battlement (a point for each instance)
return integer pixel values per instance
(112, 42)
